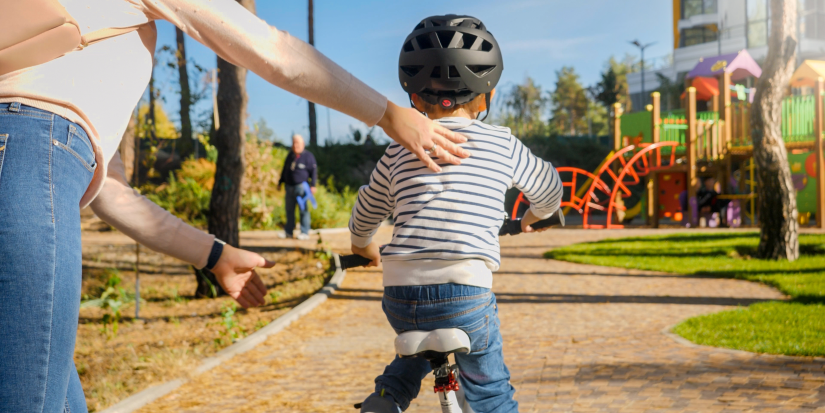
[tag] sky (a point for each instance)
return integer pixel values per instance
(537, 38)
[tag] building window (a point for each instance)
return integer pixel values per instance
(692, 8)
(814, 19)
(758, 22)
(698, 35)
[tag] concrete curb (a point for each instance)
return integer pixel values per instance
(142, 398)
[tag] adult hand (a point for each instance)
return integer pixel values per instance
(235, 272)
(417, 134)
(371, 252)
(313, 190)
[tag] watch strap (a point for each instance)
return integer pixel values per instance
(215, 254)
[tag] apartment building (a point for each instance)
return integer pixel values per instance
(708, 28)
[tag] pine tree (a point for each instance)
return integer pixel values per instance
(225, 205)
(779, 229)
(570, 103)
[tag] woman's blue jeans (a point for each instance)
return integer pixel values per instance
(46, 164)
(482, 372)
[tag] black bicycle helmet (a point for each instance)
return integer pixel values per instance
(450, 60)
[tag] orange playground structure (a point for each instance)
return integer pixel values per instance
(664, 156)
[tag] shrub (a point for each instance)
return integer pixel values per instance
(260, 195)
(349, 164)
(184, 197)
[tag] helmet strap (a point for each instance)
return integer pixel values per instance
(487, 112)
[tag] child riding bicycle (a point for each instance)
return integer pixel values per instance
(438, 269)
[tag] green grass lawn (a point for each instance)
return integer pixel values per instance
(794, 327)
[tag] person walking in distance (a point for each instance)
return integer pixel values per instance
(299, 174)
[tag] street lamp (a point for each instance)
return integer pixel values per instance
(642, 48)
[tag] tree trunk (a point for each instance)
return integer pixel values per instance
(127, 148)
(313, 124)
(225, 205)
(185, 93)
(150, 115)
(147, 132)
(777, 199)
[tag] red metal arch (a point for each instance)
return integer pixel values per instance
(647, 159)
(574, 202)
(631, 162)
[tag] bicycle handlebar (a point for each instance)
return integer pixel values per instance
(509, 227)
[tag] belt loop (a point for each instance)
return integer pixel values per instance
(14, 107)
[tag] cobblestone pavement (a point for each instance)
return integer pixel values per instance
(577, 338)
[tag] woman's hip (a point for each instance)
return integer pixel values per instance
(45, 160)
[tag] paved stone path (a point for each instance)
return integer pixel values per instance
(577, 338)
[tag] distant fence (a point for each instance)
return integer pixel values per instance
(798, 114)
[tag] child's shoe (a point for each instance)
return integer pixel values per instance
(377, 404)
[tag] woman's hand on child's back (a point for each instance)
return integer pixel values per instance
(417, 134)
(371, 252)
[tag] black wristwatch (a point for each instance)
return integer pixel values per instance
(215, 254)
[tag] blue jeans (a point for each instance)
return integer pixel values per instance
(483, 375)
(46, 164)
(292, 193)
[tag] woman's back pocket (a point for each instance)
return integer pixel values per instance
(77, 143)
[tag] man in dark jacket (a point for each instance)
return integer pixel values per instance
(299, 167)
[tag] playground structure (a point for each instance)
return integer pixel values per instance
(663, 156)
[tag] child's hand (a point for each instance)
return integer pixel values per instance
(371, 252)
(529, 219)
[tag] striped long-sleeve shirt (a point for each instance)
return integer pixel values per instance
(446, 224)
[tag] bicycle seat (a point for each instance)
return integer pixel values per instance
(444, 341)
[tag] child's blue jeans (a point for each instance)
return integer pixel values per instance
(484, 377)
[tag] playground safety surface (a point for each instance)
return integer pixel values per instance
(577, 338)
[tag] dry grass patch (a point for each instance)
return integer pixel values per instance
(175, 330)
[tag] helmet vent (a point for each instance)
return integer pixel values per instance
(453, 72)
(411, 70)
(468, 41)
(408, 47)
(486, 46)
(436, 73)
(445, 37)
(469, 23)
(419, 27)
(481, 70)
(424, 42)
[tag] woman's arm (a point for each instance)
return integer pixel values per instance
(133, 214)
(241, 38)
(142, 220)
